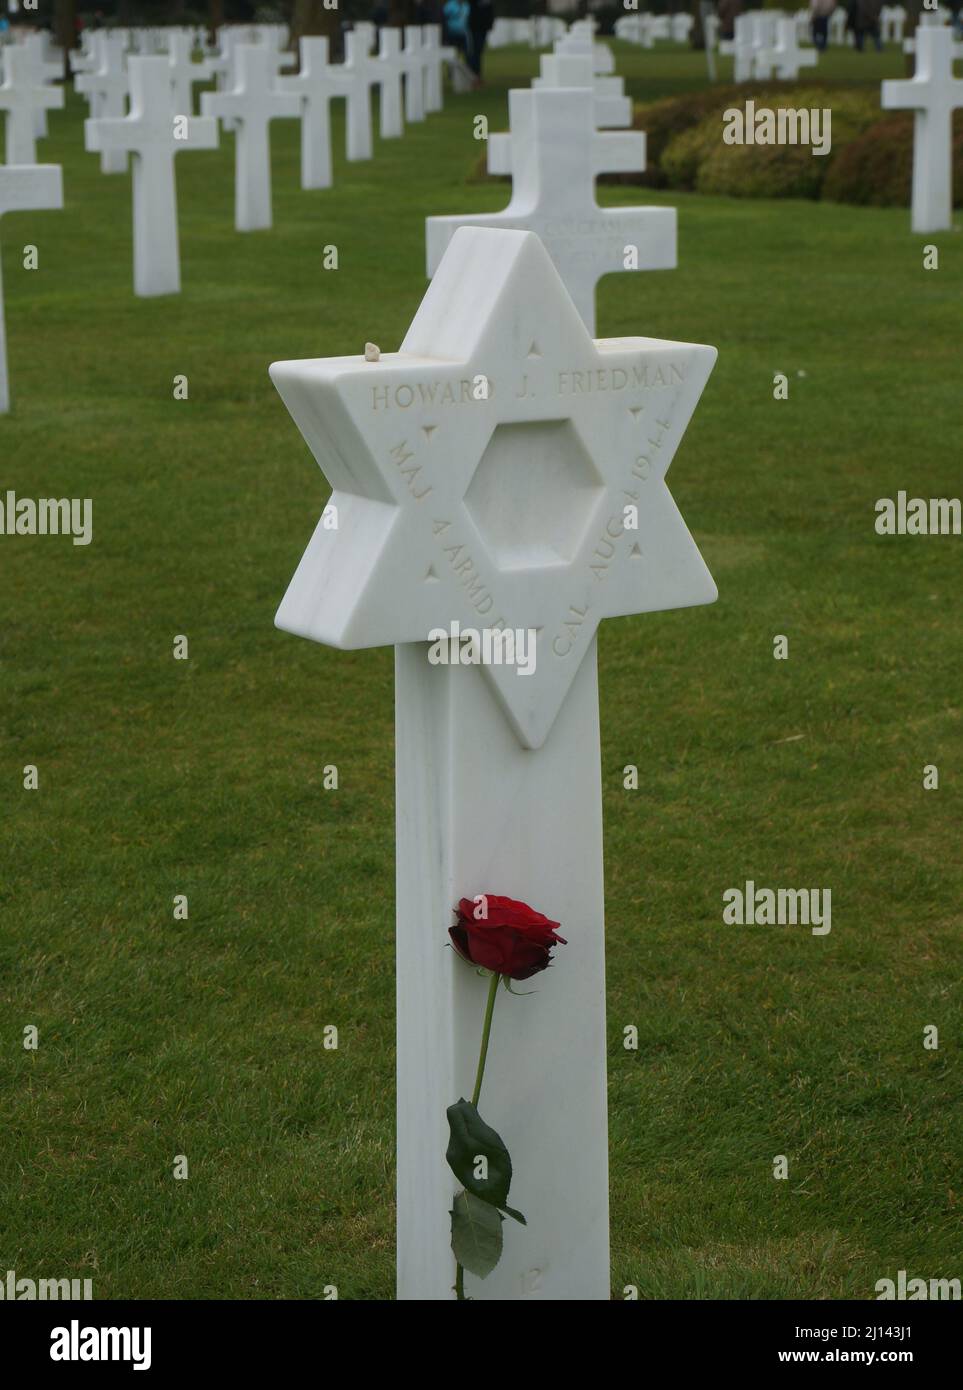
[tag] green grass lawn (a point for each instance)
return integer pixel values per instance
(204, 777)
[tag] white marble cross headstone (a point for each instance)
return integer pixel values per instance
(106, 90)
(414, 62)
(609, 109)
(933, 93)
(508, 509)
(556, 153)
(603, 59)
(315, 85)
(253, 103)
(762, 25)
(740, 48)
(612, 107)
(47, 70)
(788, 57)
(26, 188)
(87, 57)
(361, 72)
(894, 24)
(839, 26)
(391, 63)
(185, 72)
(22, 95)
(435, 57)
(154, 133)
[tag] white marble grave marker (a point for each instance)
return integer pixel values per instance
(933, 93)
(763, 29)
(740, 47)
(556, 153)
(252, 103)
(414, 64)
(25, 188)
(154, 133)
(185, 72)
(603, 59)
(22, 95)
(360, 72)
(47, 70)
(435, 57)
(391, 63)
(787, 55)
(609, 108)
(612, 106)
(315, 85)
(504, 509)
(106, 90)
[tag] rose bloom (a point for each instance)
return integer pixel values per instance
(512, 940)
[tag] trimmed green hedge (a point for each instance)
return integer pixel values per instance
(870, 161)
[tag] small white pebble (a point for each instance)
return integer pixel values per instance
(372, 352)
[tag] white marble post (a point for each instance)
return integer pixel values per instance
(252, 104)
(506, 509)
(933, 94)
(24, 189)
(154, 133)
(556, 153)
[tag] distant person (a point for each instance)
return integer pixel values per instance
(481, 17)
(455, 21)
(820, 10)
(867, 23)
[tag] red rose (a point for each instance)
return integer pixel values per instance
(511, 939)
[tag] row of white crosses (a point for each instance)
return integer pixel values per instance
(643, 28)
(933, 94)
(161, 122)
(765, 44)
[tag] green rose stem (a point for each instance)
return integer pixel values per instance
(479, 1078)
